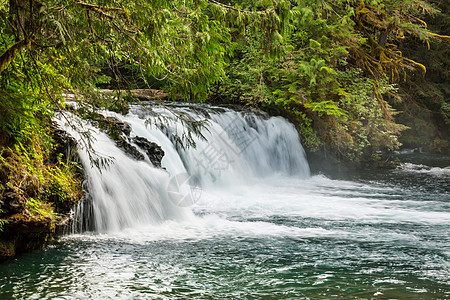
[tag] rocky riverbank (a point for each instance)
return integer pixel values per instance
(37, 190)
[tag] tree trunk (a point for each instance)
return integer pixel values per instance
(18, 17)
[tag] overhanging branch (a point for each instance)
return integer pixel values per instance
(8, 56)
(231, 7)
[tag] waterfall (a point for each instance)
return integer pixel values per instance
(230, 149)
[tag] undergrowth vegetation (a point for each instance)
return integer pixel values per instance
(40, 187)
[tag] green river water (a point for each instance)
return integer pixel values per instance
(373, 235)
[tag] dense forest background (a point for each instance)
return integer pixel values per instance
(357, 78)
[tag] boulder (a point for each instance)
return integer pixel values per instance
(116, 124)
(154, 152)
(12, 201)
(129, 149)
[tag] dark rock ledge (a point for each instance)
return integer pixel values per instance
(120, 133)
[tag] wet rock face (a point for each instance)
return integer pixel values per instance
(154, 152)
(63, 143)
(118, 126)
(11, 202)
(120, 132)
(24, 234)
(129, 149)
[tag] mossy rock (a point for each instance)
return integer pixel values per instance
(24, 233)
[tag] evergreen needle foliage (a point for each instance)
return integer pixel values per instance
(338, 70)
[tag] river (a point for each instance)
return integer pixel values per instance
(256, 226)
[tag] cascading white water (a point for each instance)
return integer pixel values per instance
(257, 227)
(236, 149)
(125, 192)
